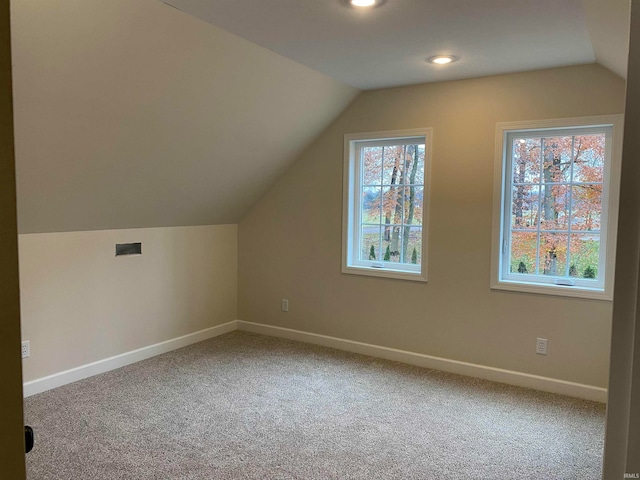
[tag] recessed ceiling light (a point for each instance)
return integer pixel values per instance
(442, 59)
(362, 3)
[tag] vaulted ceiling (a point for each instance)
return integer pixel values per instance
(136, 114)
(133, 114)
(608, 23)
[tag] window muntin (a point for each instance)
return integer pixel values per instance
(385, 218)
(558, 208)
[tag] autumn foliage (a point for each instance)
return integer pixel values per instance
(556, 205)
(392, 200)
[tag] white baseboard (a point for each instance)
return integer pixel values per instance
(84, 371)
(509, 377)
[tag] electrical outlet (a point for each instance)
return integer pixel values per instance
(541, 346)
(26, 349)
(285, 305)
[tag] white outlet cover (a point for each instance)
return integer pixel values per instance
(541, 346)
(26, 349)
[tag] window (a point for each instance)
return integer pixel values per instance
(386, 204)
(556, 199)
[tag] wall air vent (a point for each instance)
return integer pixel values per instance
(128, 249)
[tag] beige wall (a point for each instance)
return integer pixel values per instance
(11, 421)
(81, 304)
(290, 242)
(623, 410)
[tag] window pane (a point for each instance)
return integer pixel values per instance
(552, 215)
(553, 254)
(413, 198)
(391, 243)
(586, 207)
(589, 152)
(415, 165)
(371, 204)
(371, 165)
(392, 205)
(393, 165)
(557, 159)
(523, 252)
(585, 256)
(385, 219)
(526, 160)
(370, 243)
(524, 207)
(412, 245)
(555, 206)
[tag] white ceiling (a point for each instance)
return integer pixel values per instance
(386, 46)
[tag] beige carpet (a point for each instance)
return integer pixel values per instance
(245, 406)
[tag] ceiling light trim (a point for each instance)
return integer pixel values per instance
(347, 3)
(442, 59)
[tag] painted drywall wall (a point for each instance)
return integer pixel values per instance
(290, 242)
(12, 431)
(133, 114)
(81, 304)
(623, 411)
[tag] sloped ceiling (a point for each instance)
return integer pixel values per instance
(134, 114)
(608, 23)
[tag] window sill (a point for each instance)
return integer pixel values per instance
(557, 290)
(385, 273)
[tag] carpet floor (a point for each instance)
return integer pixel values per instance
(246, 406)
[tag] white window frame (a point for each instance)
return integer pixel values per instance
(352, 179)
(500, 279)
